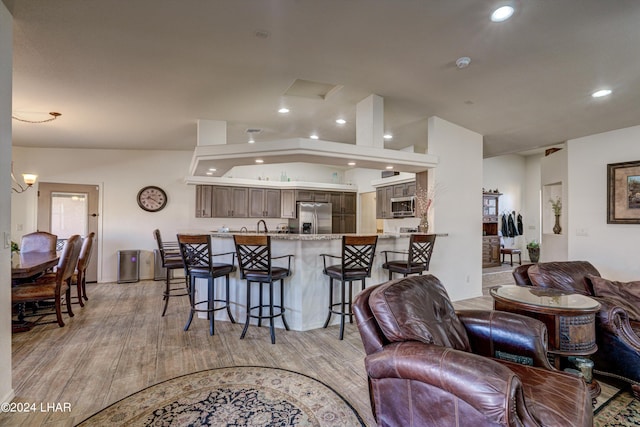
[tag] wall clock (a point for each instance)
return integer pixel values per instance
(152, 198)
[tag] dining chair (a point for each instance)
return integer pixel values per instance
(38, 241)
(171, 260)
(417, 257)
(197, 258)
(355, 264)
(255, 261)
(79, 278)
(52, 287)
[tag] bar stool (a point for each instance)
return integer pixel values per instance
(355, 264)
(418, 256)
(198, 261)
(171, 260)
(254, 259)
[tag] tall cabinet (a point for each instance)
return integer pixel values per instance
(490, 227)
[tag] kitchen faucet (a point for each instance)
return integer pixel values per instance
(244, 230)
(258, 226)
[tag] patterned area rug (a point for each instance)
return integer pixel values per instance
(621, 410)
(236, 396)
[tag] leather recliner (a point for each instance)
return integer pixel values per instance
(429, 365)
(617, 323)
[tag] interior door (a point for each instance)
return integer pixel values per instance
(68, 209)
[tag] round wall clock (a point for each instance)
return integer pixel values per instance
(152, 199)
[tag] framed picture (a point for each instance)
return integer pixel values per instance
(623, 193)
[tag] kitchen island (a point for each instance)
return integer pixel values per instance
(306, 291)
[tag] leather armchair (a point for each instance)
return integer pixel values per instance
(617, 323)
(429, 365)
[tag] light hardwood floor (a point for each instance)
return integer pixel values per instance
(118, 344)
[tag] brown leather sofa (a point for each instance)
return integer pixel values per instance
(617, 323)
(431, 366)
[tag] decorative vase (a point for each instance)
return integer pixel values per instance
(556, 228)
(423, 227)
(534, 254)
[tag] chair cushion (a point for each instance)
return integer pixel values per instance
(568, 276)
(401, 266)
(277, 273)
(335, 271)
(418, 308)
(626, 295)
(35, 292)
(216, 270)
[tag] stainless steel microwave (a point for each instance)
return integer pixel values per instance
(402, 207)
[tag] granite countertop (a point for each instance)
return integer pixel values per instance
(287, 236)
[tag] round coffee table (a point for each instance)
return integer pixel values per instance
(569, 317)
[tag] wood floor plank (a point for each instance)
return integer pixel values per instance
(119, 343)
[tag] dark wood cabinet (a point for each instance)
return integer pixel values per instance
(383, 202)
(343, 208)
(204, 205)
(386, 193)
(264, 203)
(490, 226)
(312, 196)
(230, 202)
(287, 203)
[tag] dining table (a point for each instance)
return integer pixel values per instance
(24, 268)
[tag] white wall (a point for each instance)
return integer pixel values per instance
(507, 174)
(611, 248)
(6, 63)
(120, 174)
(457, 258)
(554, 183)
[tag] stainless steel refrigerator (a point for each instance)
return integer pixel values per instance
(312, 218)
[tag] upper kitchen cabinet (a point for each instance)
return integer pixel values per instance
(264, 203)
(287, 203)
(404, 190)
(312, 196)
(343, 203)
(230, 202)
(204, 199)
(383, 202)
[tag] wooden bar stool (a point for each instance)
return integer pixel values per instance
(355, 264)
(171, 260)
(254, 259)
(418, 256)
(198, 260)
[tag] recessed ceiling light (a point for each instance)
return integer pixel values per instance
(601, 93)
(313, 136)
(283, 110)
(341, 121)
(259, 161)
(389, 167)
(209, 173)
(387, 136)
(501, 14)
(212, 169)
(251, 141)
(463, 62)
(351, 163)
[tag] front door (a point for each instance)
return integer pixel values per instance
(68, 209)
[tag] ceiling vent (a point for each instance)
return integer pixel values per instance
(253, 131)
(312, 90)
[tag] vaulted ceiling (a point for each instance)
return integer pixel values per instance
(139, 74)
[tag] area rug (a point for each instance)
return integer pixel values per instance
(621, 410)
(234, 396)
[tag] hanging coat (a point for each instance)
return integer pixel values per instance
(520, 226)
(511, 227)
(505, 226)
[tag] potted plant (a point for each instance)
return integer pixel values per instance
(534, 250)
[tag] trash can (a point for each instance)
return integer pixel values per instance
(128, 266)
